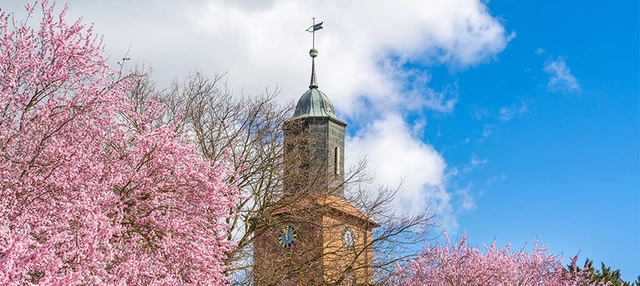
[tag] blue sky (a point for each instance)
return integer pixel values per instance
(511, 119)
(567, 159)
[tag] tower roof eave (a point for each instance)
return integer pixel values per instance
(330, 118)
(332, 202)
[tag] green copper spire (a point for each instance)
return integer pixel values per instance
(314, 103)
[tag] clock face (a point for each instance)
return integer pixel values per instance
(348, 237)
(287, 236)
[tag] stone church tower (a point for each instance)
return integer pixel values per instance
(316, 236)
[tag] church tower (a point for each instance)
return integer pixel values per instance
(316, 236)
(314, 142)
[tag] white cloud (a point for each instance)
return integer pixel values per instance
(487, 131)
(476, 161)
(412, 92)
(395, 156)
(492, 180)
(466, 199)
(263, 43)
(561, 77)
(539, 51)
(478, 113)
(506, 113)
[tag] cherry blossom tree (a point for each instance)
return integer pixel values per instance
(461, 264)
(92, 190)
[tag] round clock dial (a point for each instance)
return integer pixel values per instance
(348, 237)
(287, 236)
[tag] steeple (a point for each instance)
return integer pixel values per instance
(314, 103)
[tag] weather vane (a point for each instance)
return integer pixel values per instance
(313, 52)
(313, 30)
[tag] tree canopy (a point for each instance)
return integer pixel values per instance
(92, 190)
(605, 274)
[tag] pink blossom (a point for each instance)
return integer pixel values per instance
(91, 192)
(461, 264)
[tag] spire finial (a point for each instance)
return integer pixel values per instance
(313, 52)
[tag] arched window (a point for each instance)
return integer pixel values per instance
(336, 161)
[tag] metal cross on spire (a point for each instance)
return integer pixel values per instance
(313, 52)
